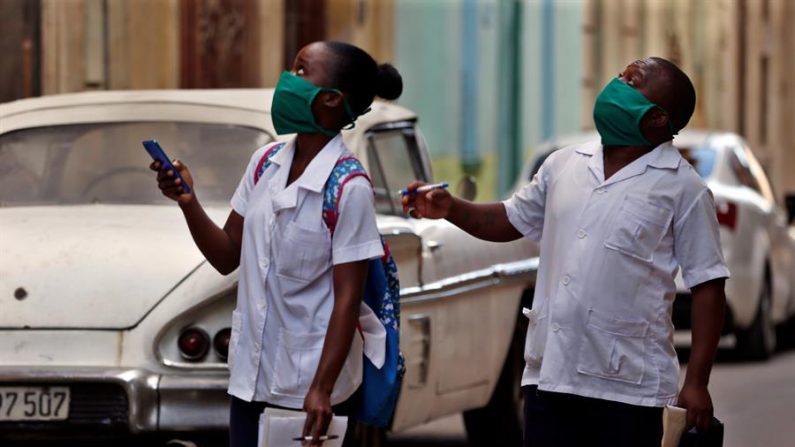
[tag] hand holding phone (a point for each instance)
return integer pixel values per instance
(158, 154)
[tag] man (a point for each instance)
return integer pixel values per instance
(615, 220)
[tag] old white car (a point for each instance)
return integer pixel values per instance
(753, 232)
(112, 322)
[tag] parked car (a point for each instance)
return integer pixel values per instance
(753, 233)
(113, 323)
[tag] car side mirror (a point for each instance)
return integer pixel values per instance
(790, 202)
(467, 188)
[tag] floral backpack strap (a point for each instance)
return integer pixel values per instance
(346, 169)
(265, 161)
(380, 382)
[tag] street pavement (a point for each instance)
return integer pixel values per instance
(754, 400)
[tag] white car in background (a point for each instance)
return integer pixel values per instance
(112, 322)
(756, 235)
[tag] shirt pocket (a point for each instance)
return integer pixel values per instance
(237, 320)
(304, 254)
(613, 349)
(297, 358)
(639, 228)
(535, 340)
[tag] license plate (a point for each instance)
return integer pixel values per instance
(34, 403)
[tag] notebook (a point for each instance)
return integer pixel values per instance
(279, 428)
(675, 435)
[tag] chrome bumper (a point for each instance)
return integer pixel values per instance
(156, 402)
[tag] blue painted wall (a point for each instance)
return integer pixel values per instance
(457, 71)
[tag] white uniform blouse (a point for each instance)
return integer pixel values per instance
(286, 293)
(610, 249)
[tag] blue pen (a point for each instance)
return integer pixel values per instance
(424, 188)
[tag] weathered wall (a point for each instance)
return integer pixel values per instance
(739, 54)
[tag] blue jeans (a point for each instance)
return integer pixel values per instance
(244, 420)
(566, 420)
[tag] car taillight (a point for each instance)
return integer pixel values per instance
(727, 214)
(221, 342)
(193, 343)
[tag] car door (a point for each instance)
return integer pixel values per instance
(776, 224)
(393, 161)
(457, 312)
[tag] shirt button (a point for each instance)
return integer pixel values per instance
(602, 191)
(581, 233)
(555, 327)
(264, 262)
(566, 280)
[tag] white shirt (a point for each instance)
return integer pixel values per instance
(286, 292)
(610, 249)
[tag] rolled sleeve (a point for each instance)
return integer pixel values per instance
(356, 236)
(697, 242)
(239, 200)
(525, 209)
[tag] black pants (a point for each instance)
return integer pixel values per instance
(244, 420)
(566, 420)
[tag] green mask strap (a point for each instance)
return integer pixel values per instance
(347, 107)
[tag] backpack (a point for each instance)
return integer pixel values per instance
(380, 386)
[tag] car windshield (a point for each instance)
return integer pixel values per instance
(701, 157)
(394, 163)
(106, 163)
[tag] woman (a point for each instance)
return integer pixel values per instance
(300, 288)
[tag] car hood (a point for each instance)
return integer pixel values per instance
(90, 266)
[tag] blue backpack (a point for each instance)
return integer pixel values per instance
(380, 386)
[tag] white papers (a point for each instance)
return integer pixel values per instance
(674, 423)
(374, 335)
(279, 428)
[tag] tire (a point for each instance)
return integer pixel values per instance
(500, 421)
(367, 436)
(758, 342)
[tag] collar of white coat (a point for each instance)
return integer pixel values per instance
(319, 169)
(664, 156)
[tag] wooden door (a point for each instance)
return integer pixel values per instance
(220, 43)
(20, 72)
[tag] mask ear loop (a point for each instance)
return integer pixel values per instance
(352, 124)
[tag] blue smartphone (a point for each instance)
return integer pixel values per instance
(158, 154)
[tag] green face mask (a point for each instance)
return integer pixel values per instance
(291, 109)
(617, 114)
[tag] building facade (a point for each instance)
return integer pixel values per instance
(740, 55)
(490, 79)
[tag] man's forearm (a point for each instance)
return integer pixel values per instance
(709, 306)
(488, 221)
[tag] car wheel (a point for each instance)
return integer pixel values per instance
(785, 334)
(759, 341)
(368, 436)
(500, 421)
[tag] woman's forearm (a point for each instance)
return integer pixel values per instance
(348, 289)
(221, 246)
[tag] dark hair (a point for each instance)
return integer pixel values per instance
(681, 95)
(356, 73)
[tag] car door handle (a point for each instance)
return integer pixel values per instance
(433, 245)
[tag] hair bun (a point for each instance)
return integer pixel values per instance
(389, 83)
